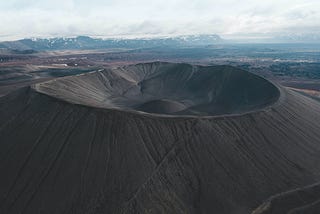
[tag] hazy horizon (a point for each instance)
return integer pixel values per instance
(248, 20)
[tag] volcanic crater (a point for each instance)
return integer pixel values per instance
(167, 89)
(159, 138)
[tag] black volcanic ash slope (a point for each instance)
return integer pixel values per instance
(60, 153)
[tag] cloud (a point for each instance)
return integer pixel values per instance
(43, 18)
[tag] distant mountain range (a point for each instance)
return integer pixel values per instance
(298, 38)
(85, 42)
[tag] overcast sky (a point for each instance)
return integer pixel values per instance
(111, 18)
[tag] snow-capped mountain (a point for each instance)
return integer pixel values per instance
(85, 42)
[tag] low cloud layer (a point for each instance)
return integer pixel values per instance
(111, 18)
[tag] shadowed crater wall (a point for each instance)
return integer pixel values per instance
(166, 88)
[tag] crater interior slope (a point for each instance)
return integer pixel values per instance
(83, 144)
